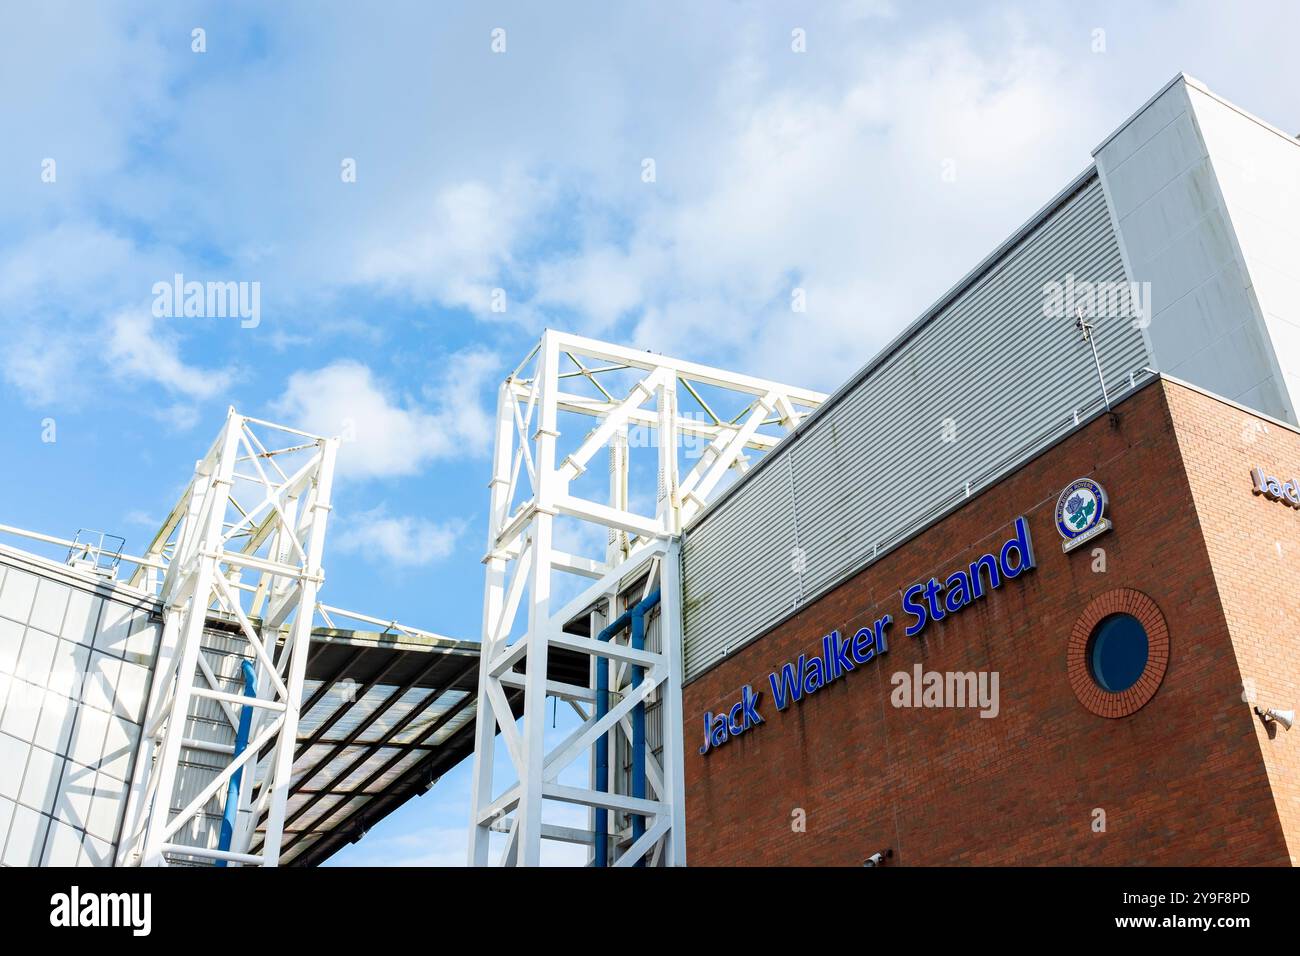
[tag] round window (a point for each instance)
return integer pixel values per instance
(1117, 652)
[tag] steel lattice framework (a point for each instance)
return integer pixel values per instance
(686, 410)
(244, 543)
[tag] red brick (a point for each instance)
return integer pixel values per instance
(1190, 777)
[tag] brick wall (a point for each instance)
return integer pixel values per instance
(1254, 549)
(1181, 781)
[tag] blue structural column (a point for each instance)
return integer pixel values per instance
(601, 856)
(241, 744)
(634, 617)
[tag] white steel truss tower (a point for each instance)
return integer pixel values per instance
(617, 400)
(244, 544)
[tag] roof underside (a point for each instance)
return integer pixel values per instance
(384, 716)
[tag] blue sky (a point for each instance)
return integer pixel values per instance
(872, 170)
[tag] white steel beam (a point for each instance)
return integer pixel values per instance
(208, 543)
(649, 418)
(539, 480)
(528, 818)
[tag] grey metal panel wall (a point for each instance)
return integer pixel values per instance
(737, 574)
(874, 465)
(207, 721)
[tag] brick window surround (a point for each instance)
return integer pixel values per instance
(1118, 601)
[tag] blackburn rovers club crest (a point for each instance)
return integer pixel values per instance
(1081, 513)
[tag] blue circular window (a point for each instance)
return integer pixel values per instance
(1117, 652)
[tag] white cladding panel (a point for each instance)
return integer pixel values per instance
(988, 369)
(75, 665)
(1258, 171)
(1206, 197)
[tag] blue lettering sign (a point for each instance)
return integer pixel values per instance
(923, 603)
(719, 728)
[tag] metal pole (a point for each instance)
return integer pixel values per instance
(1086, 329)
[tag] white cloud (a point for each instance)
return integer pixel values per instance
(141, 518)
(139, 349)
(774, 168)
(38, 365)
(603, 283)
(838, 190)
(68, 333)
(180, 417)
(402, 540)
(455, 245)
(386, 434)
(53, 287)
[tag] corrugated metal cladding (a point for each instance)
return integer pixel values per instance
(207, 721)
(874, 465)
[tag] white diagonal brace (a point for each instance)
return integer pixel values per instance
(642, 392)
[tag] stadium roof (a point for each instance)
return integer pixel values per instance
(385, 716)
